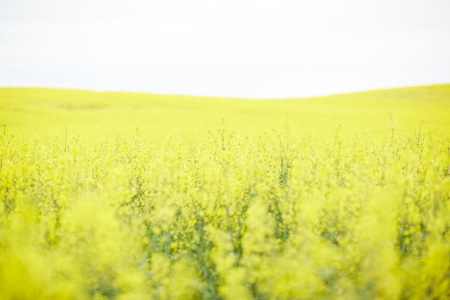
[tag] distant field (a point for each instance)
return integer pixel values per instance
(46, 112)
(139, 196)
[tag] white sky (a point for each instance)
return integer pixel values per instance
(252, 49)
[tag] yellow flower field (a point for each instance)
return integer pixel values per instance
(140, 196)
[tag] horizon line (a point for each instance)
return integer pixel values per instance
(221, 97)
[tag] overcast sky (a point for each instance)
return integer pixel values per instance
(252, 49)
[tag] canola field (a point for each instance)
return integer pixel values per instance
(141, 196)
